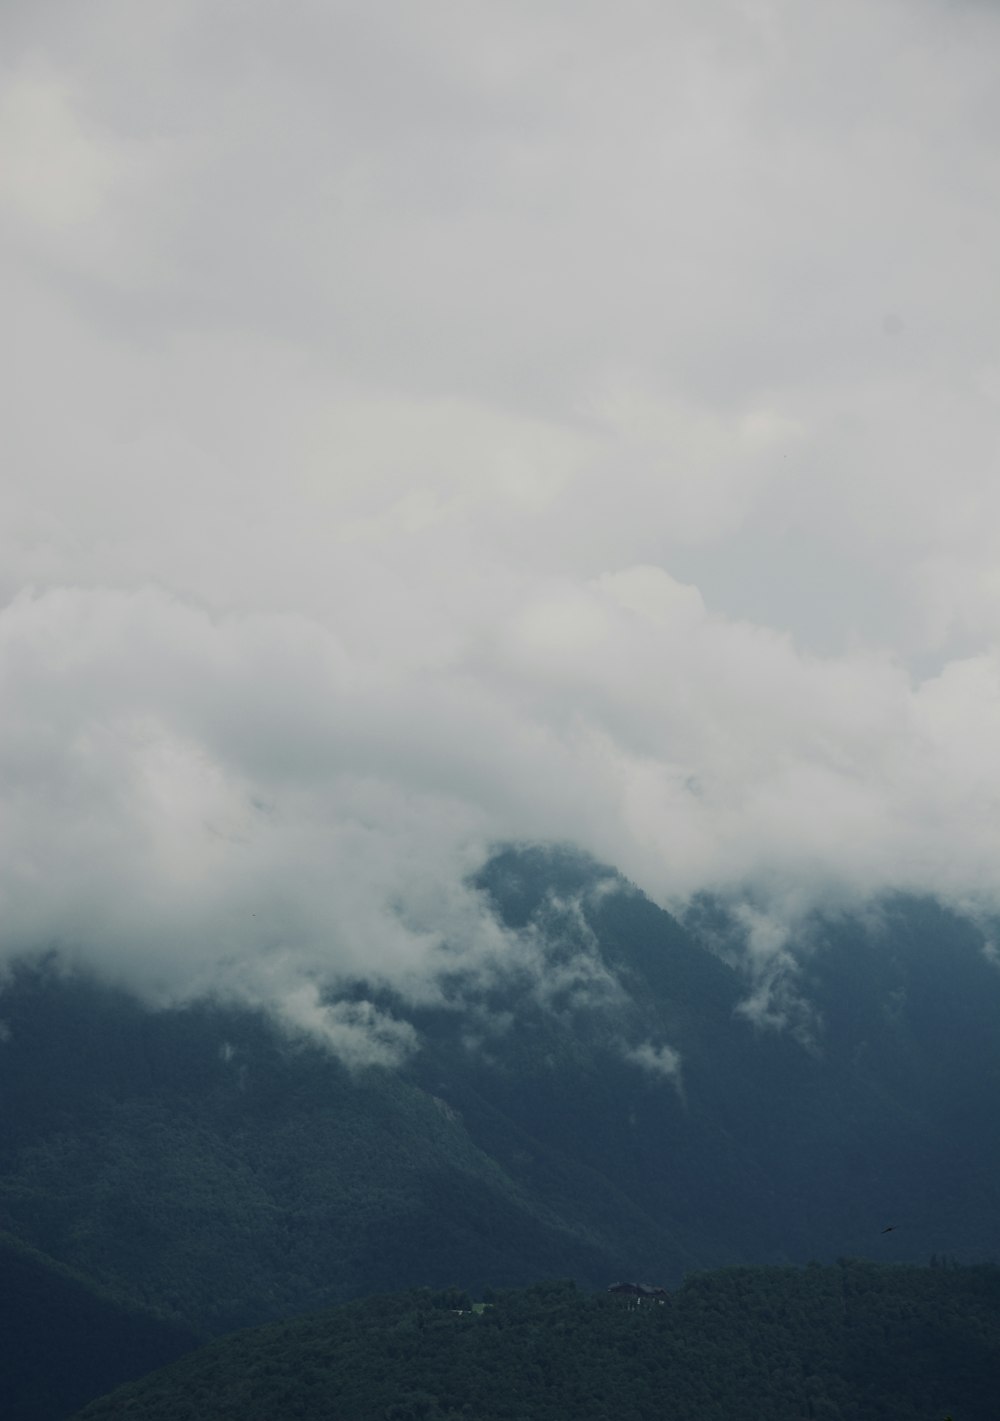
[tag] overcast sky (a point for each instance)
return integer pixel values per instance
(431, 423)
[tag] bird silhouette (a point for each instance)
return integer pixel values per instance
(889, 1229)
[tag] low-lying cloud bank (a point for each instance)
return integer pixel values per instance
(197, 800)
(431, 427)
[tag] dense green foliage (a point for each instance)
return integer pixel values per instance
(62, 1341)
(197, 1163)
(856, 1342)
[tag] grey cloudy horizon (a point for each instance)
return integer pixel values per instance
(429, 425)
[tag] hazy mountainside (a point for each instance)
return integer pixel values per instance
(604, 1108)
(197, 1161)
(62, 1341)
(873, 1104)
(857, 1342)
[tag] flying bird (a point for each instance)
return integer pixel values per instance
(890, 1228)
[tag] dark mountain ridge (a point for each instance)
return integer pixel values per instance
(854, 1342)
(605, 1108)
(63, 1341)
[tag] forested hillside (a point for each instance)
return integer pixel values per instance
(604, 1106)
(63, 1342)
(855, 1342)
(199, 1162)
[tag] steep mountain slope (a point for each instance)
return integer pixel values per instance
(198, 1162)
(863, 1095)
(602, 1105)
(856, 1341)
(62, 1341)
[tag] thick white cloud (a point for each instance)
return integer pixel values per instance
(430, 425)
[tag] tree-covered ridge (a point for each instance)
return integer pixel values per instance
(855, 1341)
(63, 1341)
(199, 1162)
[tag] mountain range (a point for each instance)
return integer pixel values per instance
(635, 1095)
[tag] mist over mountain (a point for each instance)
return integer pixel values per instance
(433, 431)
(631, 1110)
(438, 434)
